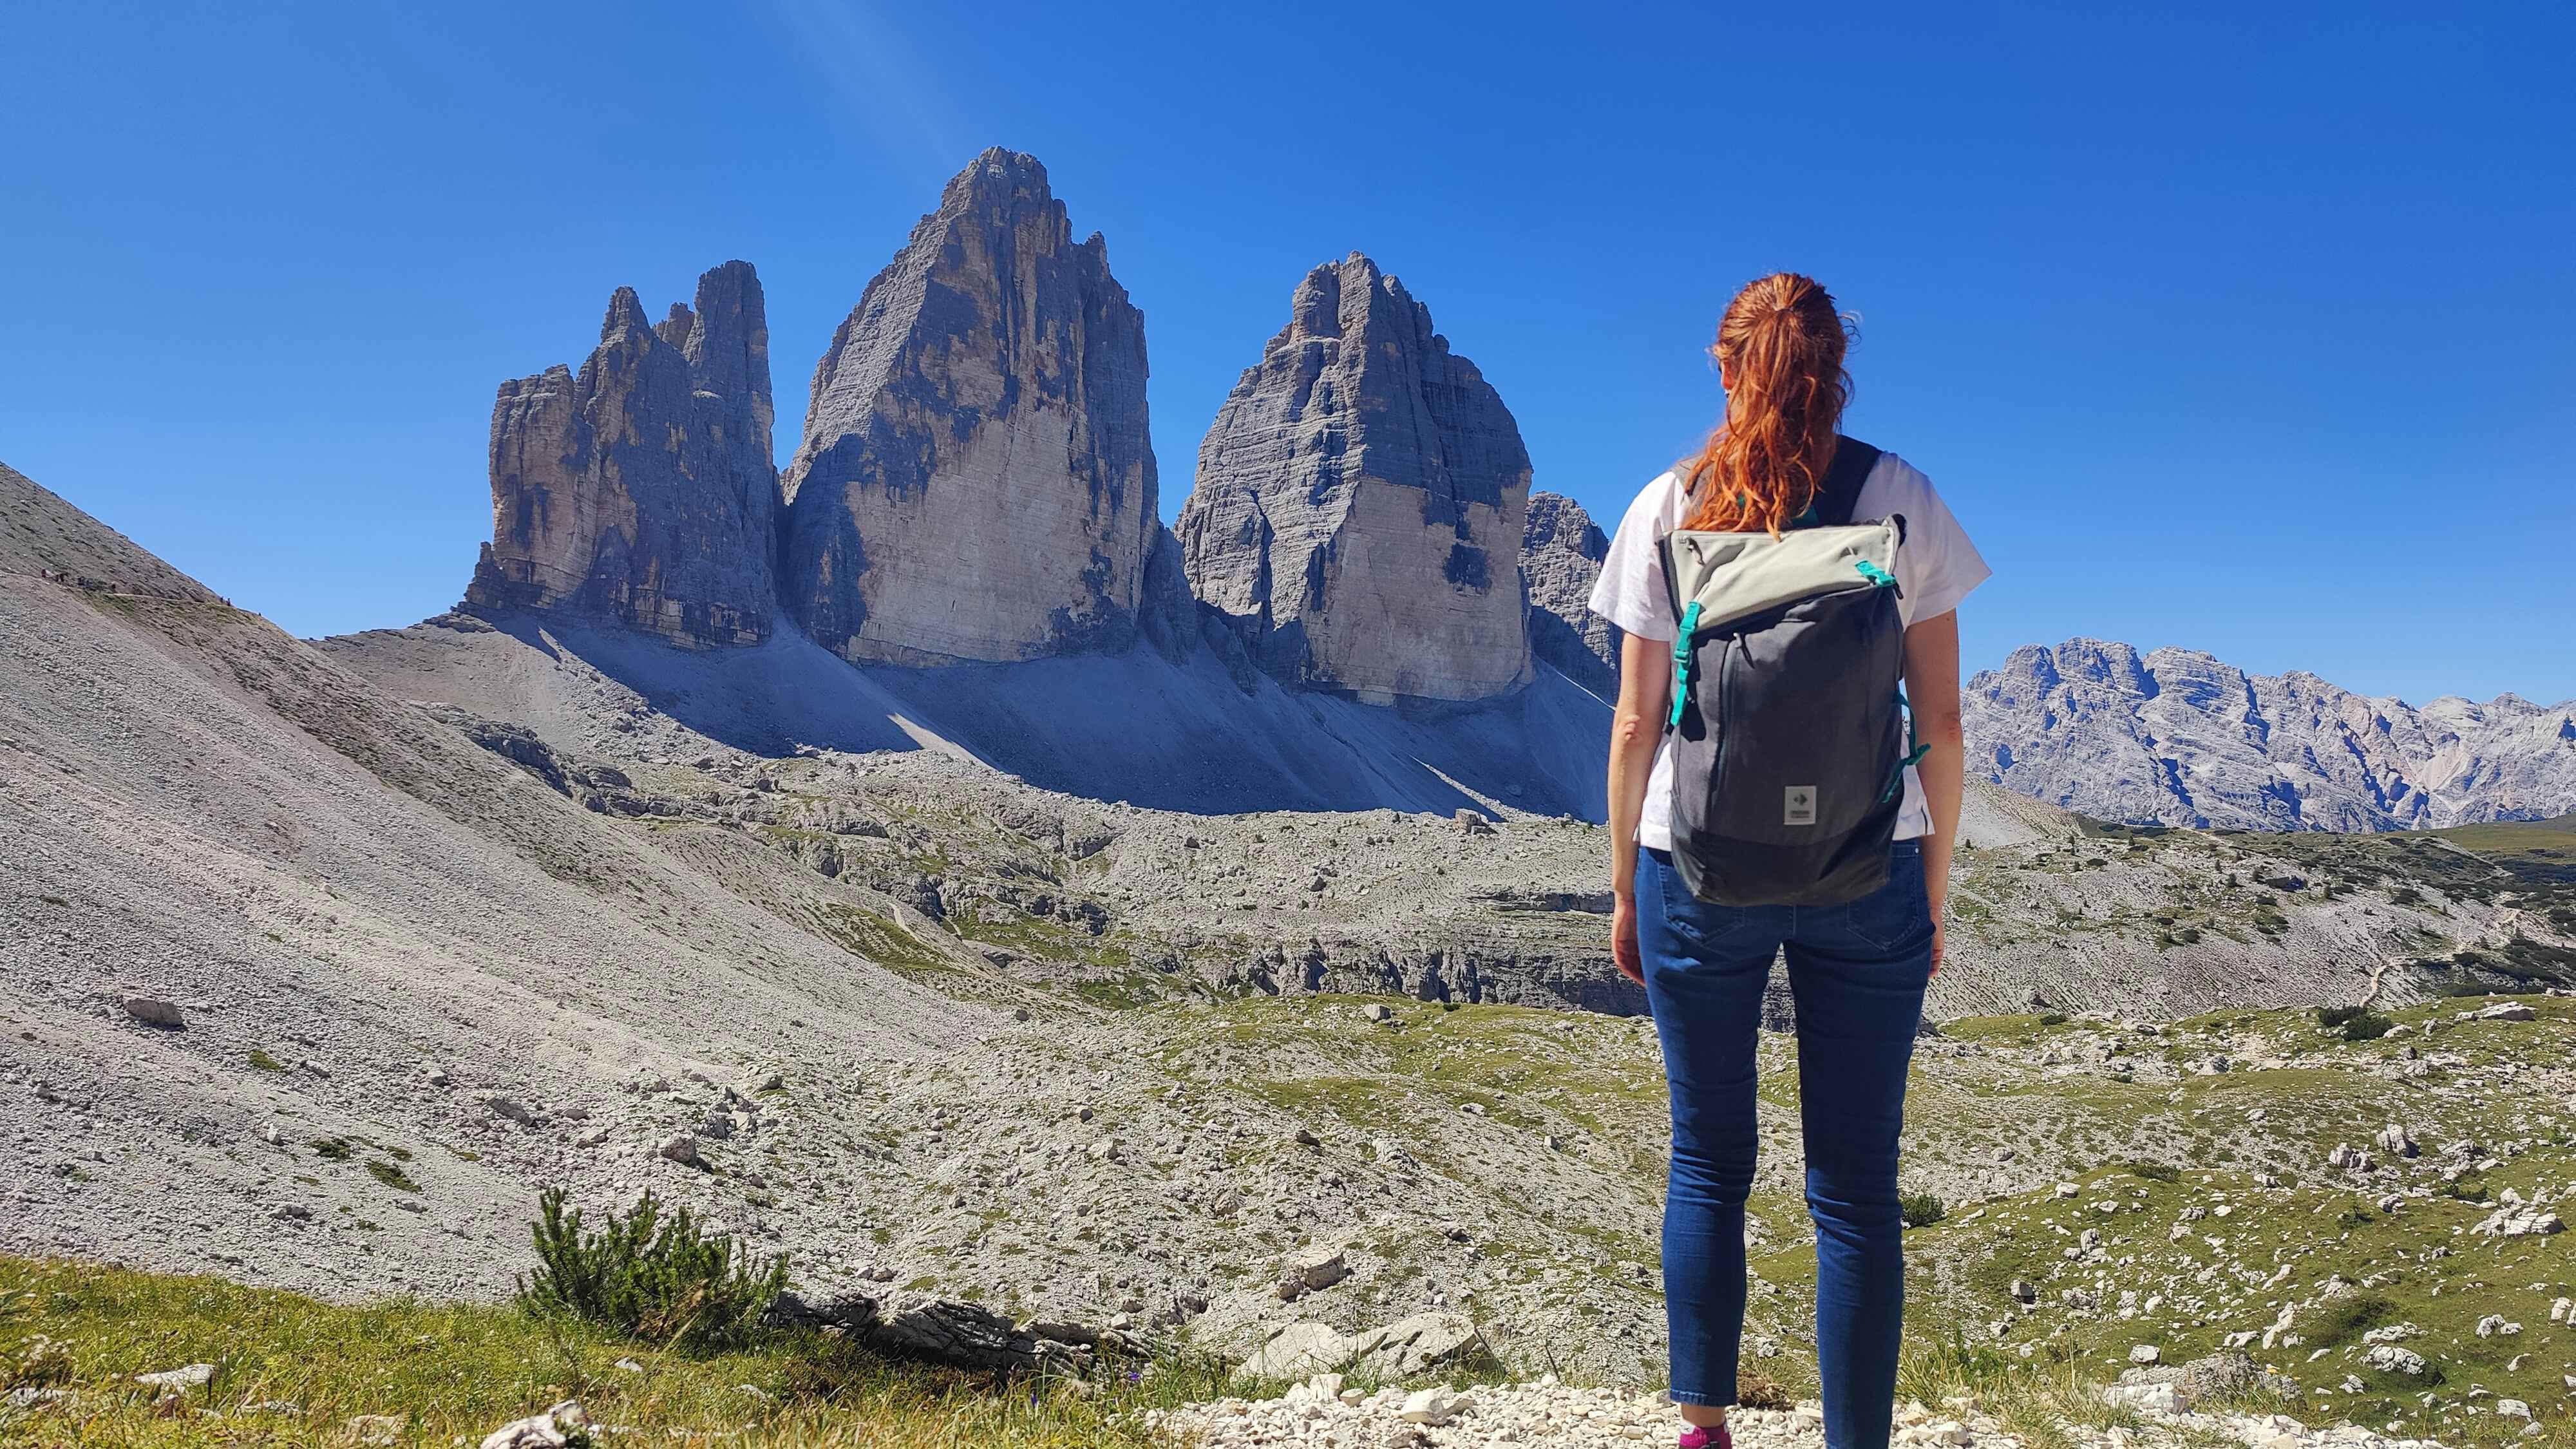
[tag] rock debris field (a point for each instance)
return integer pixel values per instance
(314, 983)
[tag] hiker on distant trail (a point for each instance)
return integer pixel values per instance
(1770, 788)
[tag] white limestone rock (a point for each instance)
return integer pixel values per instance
(1360, 504)
(977, 481)
(641, 491)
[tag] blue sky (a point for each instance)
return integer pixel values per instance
(2243, 328)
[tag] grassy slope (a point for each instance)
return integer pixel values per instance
(291, 1371)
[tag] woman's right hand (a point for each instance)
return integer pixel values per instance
(1623, 937)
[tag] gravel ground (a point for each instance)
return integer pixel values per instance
(1550, 1415)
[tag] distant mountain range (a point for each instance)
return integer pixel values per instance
(2177, 737)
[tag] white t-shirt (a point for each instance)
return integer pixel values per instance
(1935, 569)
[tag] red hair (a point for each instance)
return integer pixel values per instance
(1781, 343)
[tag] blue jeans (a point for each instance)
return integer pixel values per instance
(1857, 972)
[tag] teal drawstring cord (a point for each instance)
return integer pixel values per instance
(1915, 749)
(1875, 575)
(1681, 664)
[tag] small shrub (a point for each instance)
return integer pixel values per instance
(337, 1149)
(1920, 1209)
(2052, 1018)
(2368, 1026)
(260, 1059)
(2406, 896)
(649, 1276)
(2155, 1171)
(2334, 1016)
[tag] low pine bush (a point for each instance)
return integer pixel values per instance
(1920, 1209)
(649, 1276)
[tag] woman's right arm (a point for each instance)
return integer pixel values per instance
(1636, 729)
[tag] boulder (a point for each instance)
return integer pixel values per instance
(1429, 1407)
(964, 1335)
(153, 1011)
(1295, 1351)
(565, 1423)
(2388, 1358)
(2153, 1398)
(2516, 1221)
(1413, 1345)
(1320, 1267)
(641, 491)
(977, 480)
(1361, 498)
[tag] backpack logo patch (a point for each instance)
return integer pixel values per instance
(1798, 805)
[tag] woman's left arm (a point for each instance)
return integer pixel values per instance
(1932, 688)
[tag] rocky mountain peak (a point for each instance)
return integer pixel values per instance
(2181, 737)
(625, 315)
(1561, 554)
(640, 491)
(676, 324)
(977, 481)
(1360, 500)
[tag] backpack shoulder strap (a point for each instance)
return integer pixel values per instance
(1839, 494)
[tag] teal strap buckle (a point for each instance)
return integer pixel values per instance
(1681, 664)
(1874, 573)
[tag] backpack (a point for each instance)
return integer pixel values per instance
(1788, 756)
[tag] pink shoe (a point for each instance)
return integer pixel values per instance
(1716, 1438)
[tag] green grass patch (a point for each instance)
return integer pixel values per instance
(291, 1371)
(391, 1176)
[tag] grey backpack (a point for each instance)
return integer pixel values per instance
(1788, 754)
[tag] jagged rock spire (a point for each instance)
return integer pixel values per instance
(976, 480)
(1359, 503)
(641, 490)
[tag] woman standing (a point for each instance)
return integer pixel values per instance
(1857, 968)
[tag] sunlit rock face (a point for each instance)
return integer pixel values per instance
(1359, 503)
(976, 480)
(640, 490)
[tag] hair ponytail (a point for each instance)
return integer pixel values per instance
(1781, 343)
